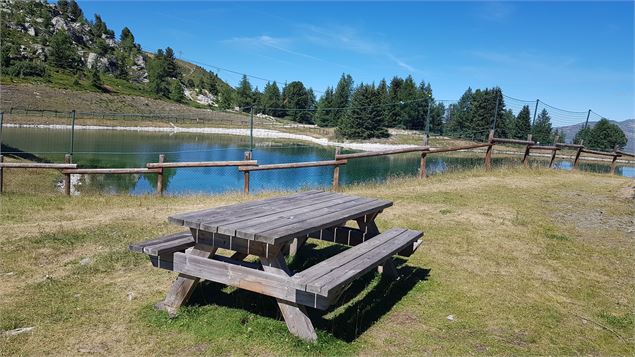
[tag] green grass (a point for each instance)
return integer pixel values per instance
(513, 255)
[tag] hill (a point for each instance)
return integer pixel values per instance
(56, 45)
(627, 126)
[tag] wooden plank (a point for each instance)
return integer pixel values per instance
(601, 153)
(293, 165)
(541, 147)
(382, 153)
(278, 216)
(253, 215)
(570, 146)
(342, 235)
(138, 247)
(232, 243)
(167, 165)
(172, 246)
(33, 165)
(512, 141)
(259, 281)
(624, 153)
(137, 170)
(67, 177)
(193, 219)
(361, 264)
(457, 148)
(327, 266)
(322, 221)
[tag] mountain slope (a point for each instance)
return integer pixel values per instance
(55, 44)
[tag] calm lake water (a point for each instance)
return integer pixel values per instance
(113, 149)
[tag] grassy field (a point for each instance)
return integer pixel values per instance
(525, 261)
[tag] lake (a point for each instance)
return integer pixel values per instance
(112, 149)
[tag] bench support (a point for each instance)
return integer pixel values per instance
(184, 285)
(295, 316)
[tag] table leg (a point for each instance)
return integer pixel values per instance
(295, 315)
(184, 285)
(296, 244)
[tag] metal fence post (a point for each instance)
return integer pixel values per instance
(428, 118)
(1, 124)
(586, 123)
(251, 129)
(533, 121)
(73, 132)
(496, 110)
(1, 174)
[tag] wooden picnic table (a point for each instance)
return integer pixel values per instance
(269, 229)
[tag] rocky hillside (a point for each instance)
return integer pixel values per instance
(56, 44)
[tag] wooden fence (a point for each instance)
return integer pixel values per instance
(247, 165)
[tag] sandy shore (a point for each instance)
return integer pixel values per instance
(258, 133)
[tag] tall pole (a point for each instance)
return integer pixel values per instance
(496, 110)
(1, 122)
(427, 137)
(73, 132)
(251, 129)
(586, 123)
(533, 121)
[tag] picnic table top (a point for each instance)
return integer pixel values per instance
(280, 219)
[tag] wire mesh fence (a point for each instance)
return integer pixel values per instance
(128, 140)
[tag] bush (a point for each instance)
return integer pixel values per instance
(26, 69)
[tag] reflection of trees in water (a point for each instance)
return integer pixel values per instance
(111, 183)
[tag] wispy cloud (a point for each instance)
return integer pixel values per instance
(495, 11)
(350, 39)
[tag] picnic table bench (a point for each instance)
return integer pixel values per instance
(269, 229)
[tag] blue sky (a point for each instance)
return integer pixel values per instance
(573, 55)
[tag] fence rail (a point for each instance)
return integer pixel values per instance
(248, 165)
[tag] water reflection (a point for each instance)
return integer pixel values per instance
(110, 149)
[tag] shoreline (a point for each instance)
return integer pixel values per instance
(258, 133)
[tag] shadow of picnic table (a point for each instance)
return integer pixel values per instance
(349, 318)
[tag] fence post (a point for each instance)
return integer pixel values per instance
(160, 176)
(553, 153)
(422, 162)
(526, 157)
(488, 153)
(615, 156)
(577, 156)
(73, 132)
(246, 173)
(1, 174)
(67, 177)
(586, 123)
(336, 170)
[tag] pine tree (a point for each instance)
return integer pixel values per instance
(126, 41)
(99, 26)
(298, 100)
(363, 118)
(95, 78)
(482, 114)
(62, 6)
(342, 97)
(227, 98)
(384, 100)
(541, 131)
(324, 115)
(460, 114)
(244, 94)
(272, 100)
(63, 53)
(583, 136)
(157, 75)
(176, 91)
(393, 111)
(74, 10)
(522, 124)
(410, 117)
(170, 64)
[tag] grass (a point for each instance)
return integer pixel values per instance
(527, 261)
